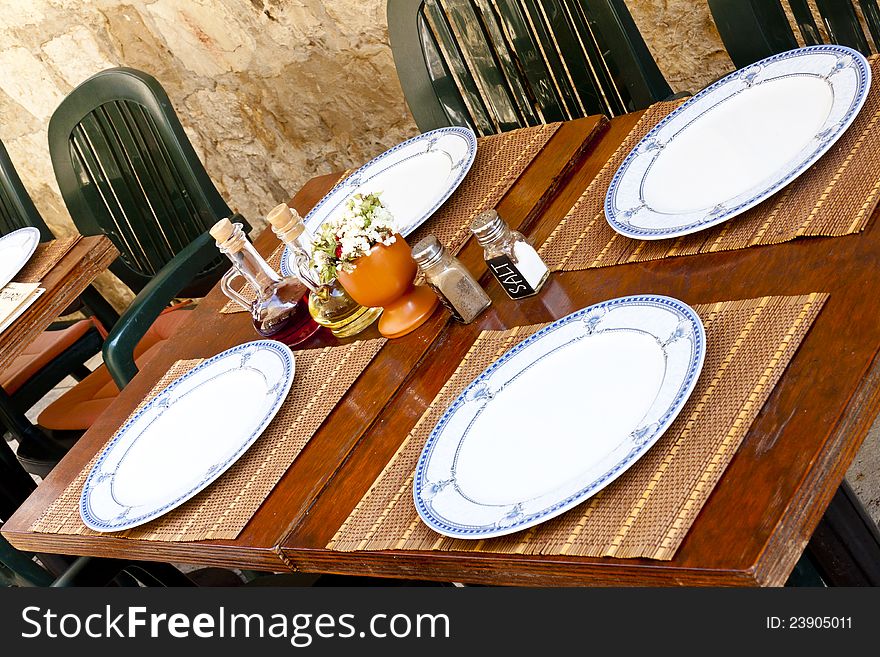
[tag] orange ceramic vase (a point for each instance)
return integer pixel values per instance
(384, 277)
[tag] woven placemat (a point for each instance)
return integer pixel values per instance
(501, 159)
(47, 255)
(834, 197)
(648, 510)
(322, 376)
(274, 261)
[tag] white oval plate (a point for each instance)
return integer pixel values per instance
(16, 248)
(737, 142)
(415, 178)
(187, 436)
(559, 417)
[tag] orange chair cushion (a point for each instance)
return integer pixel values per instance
(80, 406)
(48, 346)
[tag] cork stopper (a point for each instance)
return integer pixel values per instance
(222, 231)
(286, 220)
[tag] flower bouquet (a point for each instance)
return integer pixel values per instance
(361, 247)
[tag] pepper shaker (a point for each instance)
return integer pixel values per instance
(450, 280)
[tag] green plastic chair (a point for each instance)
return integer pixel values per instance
(495, 66)
(755, 29)
(126, 169)
(17, 210)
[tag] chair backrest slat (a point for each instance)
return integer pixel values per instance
(450, 53)
(477, 52)
(126, 152)
(843, 23)
(156, 194)
(755, 29)
(17, 209)
(563, 58)
(449, 95)
(8, 215)
(496, 65)
(805, 20)
(161, 170)
(134, 205)
(95, 175)
(871, 12)
(597, 76)
(550, 99)
(142, 176)
(502, 40)
(126, 169)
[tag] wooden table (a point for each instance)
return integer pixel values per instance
(751, 531)
(64, 282)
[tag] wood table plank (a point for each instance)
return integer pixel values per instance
(207, 332)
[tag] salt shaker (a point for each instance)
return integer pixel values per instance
(450, 280)
(511, 259)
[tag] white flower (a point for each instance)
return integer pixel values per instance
(363, 222)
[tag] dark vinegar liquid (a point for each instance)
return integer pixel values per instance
(295, 328)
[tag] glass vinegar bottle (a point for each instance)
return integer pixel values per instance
(280, 309)
(329, 303)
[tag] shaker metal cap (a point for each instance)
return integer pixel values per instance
(427, 251)
(487, 226)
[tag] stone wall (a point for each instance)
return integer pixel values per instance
(271, 92)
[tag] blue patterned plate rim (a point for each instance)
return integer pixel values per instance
(470, 140)
(589, 488)
(720, 214)
(91, 520)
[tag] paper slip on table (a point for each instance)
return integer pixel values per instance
(71, 266)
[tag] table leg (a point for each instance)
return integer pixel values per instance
(102, 310)
(19, 568)
(15, 483)
(846, 545)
